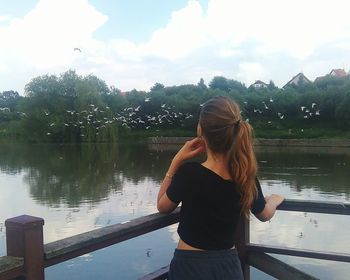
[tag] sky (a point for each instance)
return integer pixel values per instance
(136, 43)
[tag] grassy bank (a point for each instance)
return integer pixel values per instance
(261, 131)
(311, 132)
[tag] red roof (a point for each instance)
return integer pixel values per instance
(338, 72)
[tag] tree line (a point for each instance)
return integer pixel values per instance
(74, 108)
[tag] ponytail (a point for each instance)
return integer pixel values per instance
(227, 134)
(242, 164)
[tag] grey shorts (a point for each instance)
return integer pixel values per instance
(205, 265)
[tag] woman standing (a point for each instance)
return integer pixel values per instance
(214, 194)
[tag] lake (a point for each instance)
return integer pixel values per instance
(77, 188)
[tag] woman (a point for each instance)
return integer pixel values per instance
(214, 194)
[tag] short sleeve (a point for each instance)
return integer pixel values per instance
(177, 187)
(259, 204)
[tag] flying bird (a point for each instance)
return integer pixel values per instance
(77, 49)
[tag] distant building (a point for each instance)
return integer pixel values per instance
(319, 79)
(297, 80)
(338, 73)
(259, 84)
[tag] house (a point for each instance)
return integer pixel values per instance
(297, 80)
(337, 73)
(319, 79)
(259, 84)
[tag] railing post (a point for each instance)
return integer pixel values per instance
(241, 239)
(24, 238)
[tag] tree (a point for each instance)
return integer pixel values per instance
(157, 86)
(225, 84)
(201, 84)
(271, 85)
(9, 99)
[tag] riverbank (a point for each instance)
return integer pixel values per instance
(264, 142)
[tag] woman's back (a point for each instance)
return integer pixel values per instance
(210, 207)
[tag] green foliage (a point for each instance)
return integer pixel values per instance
(225, 84)
(73, 108)
(67, 108)
(157, 86)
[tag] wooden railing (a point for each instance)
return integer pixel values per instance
(27, 256)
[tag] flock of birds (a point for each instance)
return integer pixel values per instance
(133, 117)
(93, 117)
(99, 118)
(308, 112)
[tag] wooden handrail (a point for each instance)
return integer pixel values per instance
(313, 206)
(71, 247)
(331, 256)
(11, 267)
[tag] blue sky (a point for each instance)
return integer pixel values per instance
(136, 43)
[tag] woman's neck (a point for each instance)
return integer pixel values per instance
(218, 164)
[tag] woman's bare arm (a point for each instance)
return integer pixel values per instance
(272, 202)
(164, 204)
(189, 150)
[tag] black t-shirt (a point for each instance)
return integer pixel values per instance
(210, 206)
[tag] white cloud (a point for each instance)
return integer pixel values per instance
(297, 27)
(4, 18)
(247, 40)
(43, 40)
(3, 67)
(184, 33)
(228, 52)
(271, 27)
(250, 72)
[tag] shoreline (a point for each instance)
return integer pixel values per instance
(263, 142)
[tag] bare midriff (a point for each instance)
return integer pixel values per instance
(184, 246)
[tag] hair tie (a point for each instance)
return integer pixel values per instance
(236, 128)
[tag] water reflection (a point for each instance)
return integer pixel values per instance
(77, 188)
(73, 174)
(321, 169)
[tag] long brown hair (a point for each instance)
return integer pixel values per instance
(226, 133)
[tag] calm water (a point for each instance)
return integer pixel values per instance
(77, 188)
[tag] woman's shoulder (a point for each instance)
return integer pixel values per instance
(190, 164)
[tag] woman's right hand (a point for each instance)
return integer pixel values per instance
(274, 199)
(189, 150)
(272, 202)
